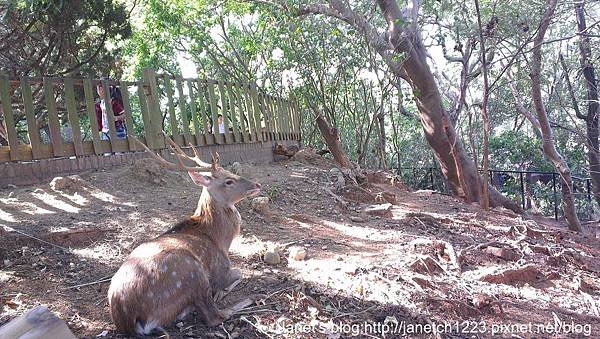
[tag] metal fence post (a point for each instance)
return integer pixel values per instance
(522, 190)
(554, 193)
(589, 193)
(431, 175)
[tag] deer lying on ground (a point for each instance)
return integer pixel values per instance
(187, 266)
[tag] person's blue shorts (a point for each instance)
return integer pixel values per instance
(121, 134)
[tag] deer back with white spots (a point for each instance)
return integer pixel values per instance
(186, 268)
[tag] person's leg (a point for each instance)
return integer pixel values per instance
(121, 134)
(105, 136)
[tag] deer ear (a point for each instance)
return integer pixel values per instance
(200, 179)
(216, 161)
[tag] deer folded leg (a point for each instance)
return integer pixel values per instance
(234, 278)
(241, 305)
(207, 309)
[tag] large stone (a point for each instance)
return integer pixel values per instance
(64, 183)
(503, 253)
(380, 210)
(236, 168)
(297, 253)
(260, 204)
(272, 257)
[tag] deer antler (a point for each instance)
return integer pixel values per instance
(196, 157)
(202, 166)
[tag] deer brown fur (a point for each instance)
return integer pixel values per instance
(182, 269)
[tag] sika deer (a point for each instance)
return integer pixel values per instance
(184, 268)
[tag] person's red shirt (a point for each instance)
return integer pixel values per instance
(118, 109)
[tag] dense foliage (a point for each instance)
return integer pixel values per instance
(328, 66)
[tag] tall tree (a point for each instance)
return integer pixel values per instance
(402, 48)
(547, 139)
(591, 85)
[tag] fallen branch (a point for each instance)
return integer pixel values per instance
(353, 313)
(278, 291)
(38, 239)
(99, 281)
(336, 197)
(256, 327)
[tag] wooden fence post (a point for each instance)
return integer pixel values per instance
(155, 137)
(32, 128)
(5, 97)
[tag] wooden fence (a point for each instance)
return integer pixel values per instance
(61, 120)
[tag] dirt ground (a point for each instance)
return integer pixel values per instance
(428, 261)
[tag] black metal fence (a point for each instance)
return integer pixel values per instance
(535, 191)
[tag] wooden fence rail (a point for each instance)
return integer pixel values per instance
(56, 117)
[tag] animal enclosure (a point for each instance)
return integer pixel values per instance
(54, 117)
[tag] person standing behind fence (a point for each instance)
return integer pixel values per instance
(116, 100)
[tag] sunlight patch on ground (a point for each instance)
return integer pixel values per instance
(365, 233)
(100, 252)
(76, 198)
(51, 200)
(26, 207)
(247, 246)
(106, 197)
(5, 216)
(343, 276)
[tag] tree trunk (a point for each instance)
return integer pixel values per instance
(547, 139)
(332, 139)
(455, 164)
(401, 47)
(591, 118)
(485, 197)
(382, 137)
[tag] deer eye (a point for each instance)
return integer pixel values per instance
(229, 182)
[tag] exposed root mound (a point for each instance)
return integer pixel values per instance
(369, 194)
(511, 276)
(358, 194)
(148, 170)
(72, 183)
(385, 178)
(308, 156)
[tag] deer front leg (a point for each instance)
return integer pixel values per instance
(212, 316)
(242, 304)
(234, 277)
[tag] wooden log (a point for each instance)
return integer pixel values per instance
(204, 107)
(185, 123)
(217, 137)
(53, 121)
(234, 110)
(225, 111)
(32, 128)
(39, 322)
(132, 146)
(155, 139)
(146, 119)
(255, 112)
(246, 92)
(110, 115)
(244, 122)
(91, 112)
(73, 116)
(178, 138)
(288, 151)
(198, 135)
(9, 120)
(266, 120)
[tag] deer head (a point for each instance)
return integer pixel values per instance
(224, 187)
